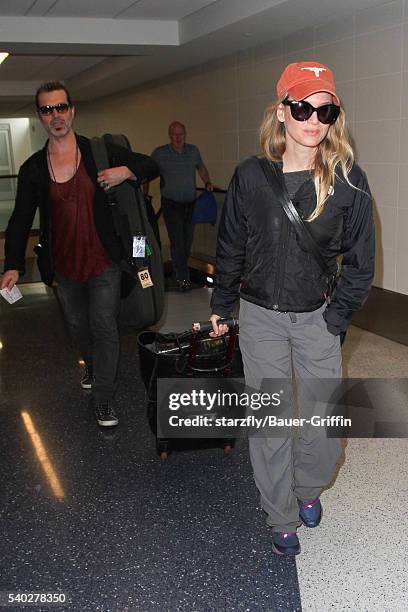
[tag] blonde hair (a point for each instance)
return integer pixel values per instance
(334, 151)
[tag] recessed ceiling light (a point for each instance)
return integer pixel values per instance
(3, 55)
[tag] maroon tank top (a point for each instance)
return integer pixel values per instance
(77, 250)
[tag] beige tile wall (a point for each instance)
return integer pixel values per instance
(222, 104)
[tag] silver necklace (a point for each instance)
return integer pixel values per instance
(72, 192)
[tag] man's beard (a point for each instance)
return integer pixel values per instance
(63, 124)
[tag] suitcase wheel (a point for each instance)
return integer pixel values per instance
(227, 446)
(162, 448)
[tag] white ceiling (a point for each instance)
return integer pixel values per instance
(107, 9)
(99, 47)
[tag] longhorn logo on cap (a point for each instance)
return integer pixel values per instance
(315, 69)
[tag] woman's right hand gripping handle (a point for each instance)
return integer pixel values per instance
(218, 330)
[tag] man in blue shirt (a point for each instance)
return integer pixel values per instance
(178, 163)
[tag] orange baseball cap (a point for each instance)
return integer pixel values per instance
(302, 79)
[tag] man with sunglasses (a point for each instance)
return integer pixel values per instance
(79, 249)
(287, 218)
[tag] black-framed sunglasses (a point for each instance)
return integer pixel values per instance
(62, 107)
(302, 111)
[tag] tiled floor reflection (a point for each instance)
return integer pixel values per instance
(95, 514)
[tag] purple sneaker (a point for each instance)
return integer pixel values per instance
(310, 512)
(285, 543)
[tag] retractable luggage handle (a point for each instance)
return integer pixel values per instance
(198, 328)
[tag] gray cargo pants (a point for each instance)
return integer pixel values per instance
(279, 345)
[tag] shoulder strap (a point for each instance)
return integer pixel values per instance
(282, 196)
(101, 159)
(99, 153)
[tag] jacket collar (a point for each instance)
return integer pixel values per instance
(86, 154)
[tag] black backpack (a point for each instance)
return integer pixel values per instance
(140, 307)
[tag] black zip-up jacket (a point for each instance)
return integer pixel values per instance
(33, 191)
(260, 258)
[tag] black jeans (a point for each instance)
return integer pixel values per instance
(177, 217)
(90, 309)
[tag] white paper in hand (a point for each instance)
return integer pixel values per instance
(11, 295)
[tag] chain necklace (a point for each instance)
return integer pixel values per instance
(72, 192)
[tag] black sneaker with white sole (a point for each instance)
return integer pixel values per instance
(105, 415)
(87, 379)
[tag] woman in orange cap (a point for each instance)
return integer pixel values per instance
(288, 216)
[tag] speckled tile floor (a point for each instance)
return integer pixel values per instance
(95, 514)
(357, 559)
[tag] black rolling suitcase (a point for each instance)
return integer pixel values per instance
(189, 354)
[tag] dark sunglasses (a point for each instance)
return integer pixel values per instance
(302, 111)
(62, 107)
